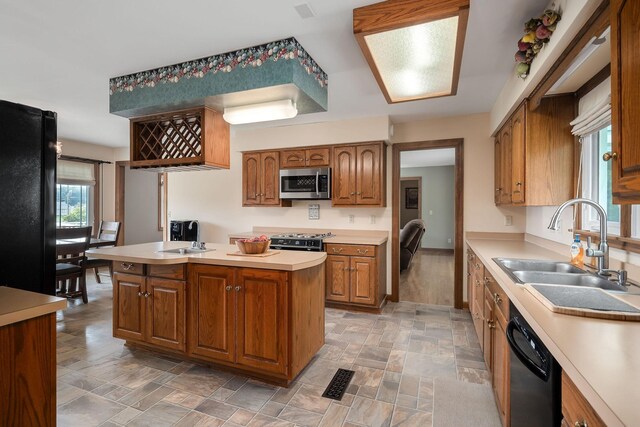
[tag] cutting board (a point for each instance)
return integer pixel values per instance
(582, 301)
(262, 255)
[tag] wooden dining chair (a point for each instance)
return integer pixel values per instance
(109, 230)
(71, 245)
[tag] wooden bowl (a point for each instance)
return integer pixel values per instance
(247, 247)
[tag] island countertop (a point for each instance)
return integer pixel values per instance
(219, 254)
(17, 305)
(600, 356)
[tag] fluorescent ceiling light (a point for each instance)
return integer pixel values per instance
(414, 47)
(275, 110)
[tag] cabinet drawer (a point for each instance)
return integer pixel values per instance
(171, 271)
(292, 159)
(318, 157)
(129, 267)
(575, 408)
(357, 250)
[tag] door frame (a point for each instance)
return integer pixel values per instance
(419, 179)
(458, 145)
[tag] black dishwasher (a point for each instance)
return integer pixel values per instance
(535, 377)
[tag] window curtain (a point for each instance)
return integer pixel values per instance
(75, 173)
(595, 110)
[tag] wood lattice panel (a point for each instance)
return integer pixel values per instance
(174, 137)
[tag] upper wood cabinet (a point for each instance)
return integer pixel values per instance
(301, 158)
(536, 151)
(359, 175)
(260, 179)
(625, 91)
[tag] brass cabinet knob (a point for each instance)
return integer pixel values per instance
(582, 423)
(353, 194)
(228, 288)
(140, 294)
(362, 252)
(491, 324)
(497, 298)
(147, 294)
(337, 250)
(126, 266)
(608, 156)
(238, 288)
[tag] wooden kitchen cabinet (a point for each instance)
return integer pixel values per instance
(536, 152)
(237, 316)
(260, 179)
(475, 293)
(576, 410)
(488, 328)
(625, 91)
(301, 158)
(359, 175)
(149, 310)
(356, 276)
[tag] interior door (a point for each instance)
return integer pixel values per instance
(368, 175)
(251, 179)
(338, 273)
(270, 176)
(212, 302)
(261, 320)
(344, 176)
(166, 313)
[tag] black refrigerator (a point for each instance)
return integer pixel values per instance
(27, 198)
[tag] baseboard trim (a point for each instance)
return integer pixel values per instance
(437, 251)
(465, 305)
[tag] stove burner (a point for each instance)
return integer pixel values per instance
(299, 241)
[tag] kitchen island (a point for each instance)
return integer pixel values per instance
(260, 316)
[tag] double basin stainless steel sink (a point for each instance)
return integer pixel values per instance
(185, 251)
(554, 273)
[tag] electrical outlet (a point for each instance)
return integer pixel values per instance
(169, 214)
(448, 240)
(508, 220)
(352, 219)
(372, 219)
(314, 211)
(430, 212)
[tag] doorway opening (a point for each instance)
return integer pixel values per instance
(427, 234)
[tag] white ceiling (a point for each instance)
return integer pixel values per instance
(59, 55)
(426, 158)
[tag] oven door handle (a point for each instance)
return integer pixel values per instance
(318, 183)
(526, 360)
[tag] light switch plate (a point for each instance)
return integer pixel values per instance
(314, 211)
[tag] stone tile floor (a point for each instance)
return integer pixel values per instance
(396, 356)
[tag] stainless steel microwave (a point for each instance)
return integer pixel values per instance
(305, 184)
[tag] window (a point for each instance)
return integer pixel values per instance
(596, 181)
(76, 194)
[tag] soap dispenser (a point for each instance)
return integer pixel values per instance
(577, 252)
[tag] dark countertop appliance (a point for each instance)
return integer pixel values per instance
(27, 209)
(305, 184)
(299, 241)
(184, 230)
(535, 377)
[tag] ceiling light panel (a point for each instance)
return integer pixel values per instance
(417, 61)
(413, 47)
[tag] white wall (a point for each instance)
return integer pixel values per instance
(141, 207)
(98, 152)
(437, 201)
(480, 213)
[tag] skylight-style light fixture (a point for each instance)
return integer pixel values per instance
(275, 110)
(414, 47)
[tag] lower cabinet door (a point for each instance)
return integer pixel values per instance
(338, 274)
(129, 306)
(363, 280)
(262, 319)
(166, 313)
(212, 307)
(489, 328)
(500, 356)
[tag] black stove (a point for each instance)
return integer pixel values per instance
(299, 241)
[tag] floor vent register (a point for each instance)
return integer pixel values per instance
(338, 385)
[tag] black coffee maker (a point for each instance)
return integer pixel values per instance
(184, 230)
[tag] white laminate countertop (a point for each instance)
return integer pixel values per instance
(349, 237)
(149, 253)
(17, 305)
(602, 357)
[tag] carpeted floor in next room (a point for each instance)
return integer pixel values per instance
(396, 356)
